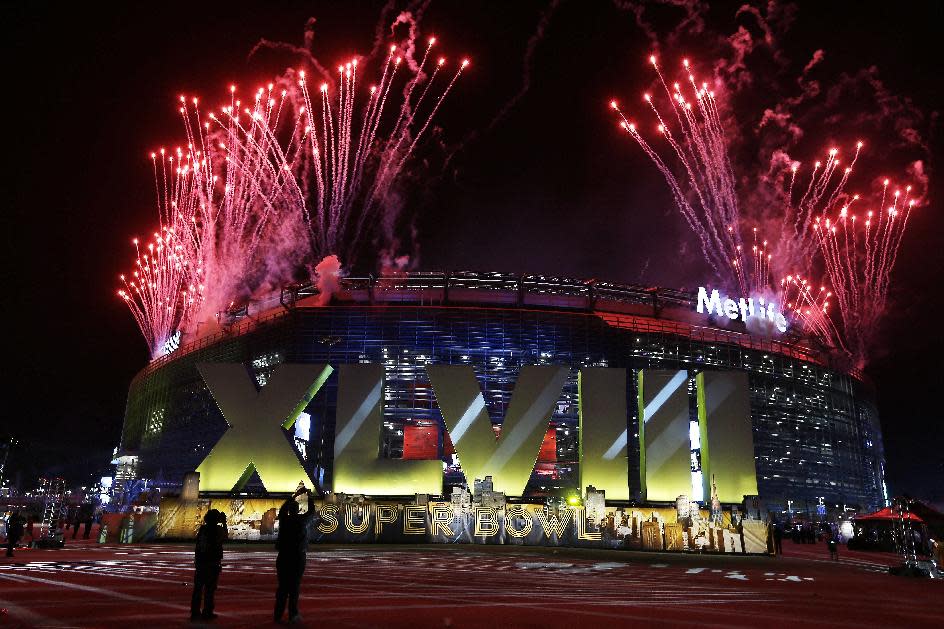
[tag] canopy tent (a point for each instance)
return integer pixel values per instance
(887, 514)
(880, 531)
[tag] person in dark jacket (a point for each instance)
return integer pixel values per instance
(292, 545)
(208, 561)
(778, 540)
(14, 532)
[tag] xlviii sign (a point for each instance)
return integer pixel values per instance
(255, 440)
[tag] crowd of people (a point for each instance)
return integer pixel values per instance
(24, 530)
(807, 533)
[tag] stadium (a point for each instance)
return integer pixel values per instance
(816, 436)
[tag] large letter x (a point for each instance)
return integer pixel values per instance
(255, 440)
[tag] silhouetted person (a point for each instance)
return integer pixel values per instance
(88, 526)
(14, 532)
(833, 549)
(292, 545)
(208, 561)
(75, 525)
(778, 540)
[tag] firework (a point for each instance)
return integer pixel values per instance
(859, 252)
(808, 305)
(267, 187)
(157, 292)
(356, 153)
(825, 189)
(704, 190)
(856, 254)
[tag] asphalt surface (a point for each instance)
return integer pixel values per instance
(92, 585)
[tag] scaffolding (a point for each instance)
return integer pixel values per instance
(54, 503)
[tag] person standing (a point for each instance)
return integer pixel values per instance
(75, 525)
(292, 545)
(208, 562)
(88, 525)
(14, 532)
(833, 549)
(778, 540)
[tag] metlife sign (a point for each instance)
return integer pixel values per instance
(743, 309)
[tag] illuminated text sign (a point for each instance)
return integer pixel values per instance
(740, 309)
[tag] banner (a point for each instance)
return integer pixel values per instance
(681, 528)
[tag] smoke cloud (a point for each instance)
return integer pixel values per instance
(327, 275)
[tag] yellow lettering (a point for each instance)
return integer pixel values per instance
(329, 519)
(553, 524)
(386, 514)
(414, 520)
(357, 529)
(486, 521)
(580, 518)
(442, 517)
(514, 512)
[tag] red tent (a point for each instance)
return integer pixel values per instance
(888, 514)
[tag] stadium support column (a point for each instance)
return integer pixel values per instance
(726, 437)
(603, 431)
(664, 444)
(358, 468)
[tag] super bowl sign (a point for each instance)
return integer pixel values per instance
(440, 522)
(256, 440)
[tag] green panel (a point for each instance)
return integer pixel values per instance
(255, 439)
(727, 439)
(509, 460)
(358, 468)
(664, 444)
(603, 431)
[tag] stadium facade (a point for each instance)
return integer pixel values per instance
(815, 429)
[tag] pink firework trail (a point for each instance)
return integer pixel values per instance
(267, 187)
(357, 152)
(808, 306)
(856, 254)
(704, 189)
(157, 292)
(859, 253)
(826, 187)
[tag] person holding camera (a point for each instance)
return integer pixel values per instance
(208, 561)
(292, 546)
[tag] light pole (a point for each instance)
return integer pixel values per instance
(6, 454)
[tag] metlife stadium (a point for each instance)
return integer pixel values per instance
(816, 433)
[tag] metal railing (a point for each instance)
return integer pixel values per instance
(646, 306)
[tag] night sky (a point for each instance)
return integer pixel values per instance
(549, 187)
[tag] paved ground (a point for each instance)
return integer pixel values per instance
(88, 585)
